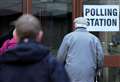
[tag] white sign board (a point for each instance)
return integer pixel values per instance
(102, 17)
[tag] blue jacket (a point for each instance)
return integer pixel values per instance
(83, 55)
(30, 62)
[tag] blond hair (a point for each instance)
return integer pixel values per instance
(27, 26)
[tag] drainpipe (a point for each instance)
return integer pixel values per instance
(77, 9)
(27, 6)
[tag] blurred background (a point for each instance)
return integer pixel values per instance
(56, 20)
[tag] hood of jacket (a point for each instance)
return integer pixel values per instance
(25, 53)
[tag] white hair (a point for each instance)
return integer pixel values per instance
(80, 22)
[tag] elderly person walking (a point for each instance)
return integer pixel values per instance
(81, 53)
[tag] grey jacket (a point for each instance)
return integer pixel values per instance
(81, 51)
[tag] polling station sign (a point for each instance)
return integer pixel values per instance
(102, 17)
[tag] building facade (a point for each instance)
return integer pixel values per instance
(56, 17)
